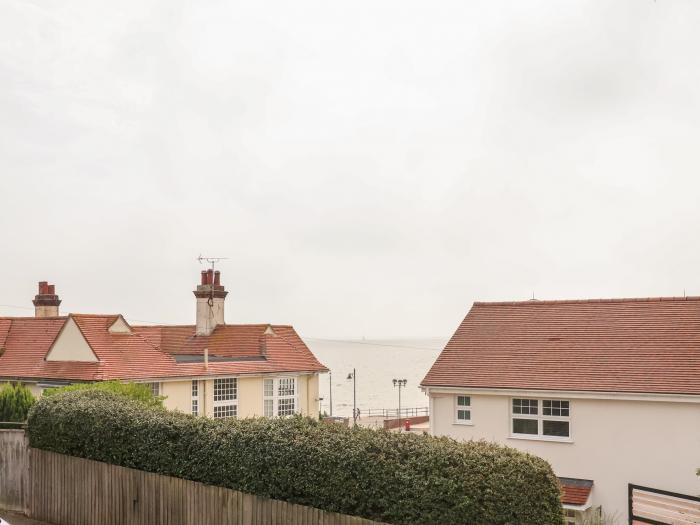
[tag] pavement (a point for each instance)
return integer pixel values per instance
(14, 518)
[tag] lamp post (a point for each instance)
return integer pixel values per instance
(352, 376)
(330, 390)
(401, 383)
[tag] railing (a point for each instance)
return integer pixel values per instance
(393, 413)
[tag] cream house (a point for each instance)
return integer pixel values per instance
(209, 368)
(607, 391)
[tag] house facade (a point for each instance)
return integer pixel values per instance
(607, 391)
(209, 368)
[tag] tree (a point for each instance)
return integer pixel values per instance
(15, 402)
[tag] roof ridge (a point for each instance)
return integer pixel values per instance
(536, 302)
(101, 316)
(28, 317)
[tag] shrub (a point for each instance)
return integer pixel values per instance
(15, 402)
(135, 391)
(390, 477)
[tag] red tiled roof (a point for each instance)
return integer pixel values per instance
(575, 491)
(25, 342)
(615, 345)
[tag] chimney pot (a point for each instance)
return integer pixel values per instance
(46, 302)
(210, 302)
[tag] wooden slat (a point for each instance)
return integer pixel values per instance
(72, 491)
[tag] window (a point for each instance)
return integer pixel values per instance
(225, 397)
(463, 413)
(195, 397)
(155, 388)
(279, 397)
(570, 516)
(551, 423)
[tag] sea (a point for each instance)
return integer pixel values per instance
(376, 363)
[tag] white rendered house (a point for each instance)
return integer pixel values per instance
(607, 391)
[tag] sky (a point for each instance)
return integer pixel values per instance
(368, 168)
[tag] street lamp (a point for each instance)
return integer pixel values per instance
(330, 390)
(401, 383)
(352, 375)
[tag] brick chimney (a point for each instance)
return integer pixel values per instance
(210, 296)
(46, 301)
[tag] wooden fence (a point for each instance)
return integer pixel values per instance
(66, 490)
(14, 470)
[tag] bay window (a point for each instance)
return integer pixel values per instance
(279, 396)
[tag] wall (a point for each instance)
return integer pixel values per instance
(14, 470)
(250, 395)
(614, 442)
(178, 395)
(75, 491)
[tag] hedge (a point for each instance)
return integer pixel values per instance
(390, 477)
(138, 391)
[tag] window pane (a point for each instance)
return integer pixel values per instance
(555, 407)
(225, 411)
(269, 387)
(463, 401)
(195, 388)
(525, 406)
(195, 407)
(525, 426)
(269, 410)
(555, 428)
(155, 388)
(565, 408)
(225, 389)
(464, 415)
(285, 407)
(286, 386)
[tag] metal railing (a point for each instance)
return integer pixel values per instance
(390, 413)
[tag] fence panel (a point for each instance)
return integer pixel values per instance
(14, 471)
(74, 491)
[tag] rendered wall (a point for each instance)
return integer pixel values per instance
(614, 443)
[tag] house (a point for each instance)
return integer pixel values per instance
(607, 391)
(208, 368)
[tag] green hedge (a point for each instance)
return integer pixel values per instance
(15, 402)
(138, 391)
(390, 477)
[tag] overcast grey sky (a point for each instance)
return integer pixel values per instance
(370, 167)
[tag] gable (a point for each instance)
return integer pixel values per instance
(120, 326)
(70, 345)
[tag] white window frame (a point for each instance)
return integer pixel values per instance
(571, 516)
(228, 401)
(195, 397)
(458, 408)
(155, 387)
(273, 400)
(540, 418)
